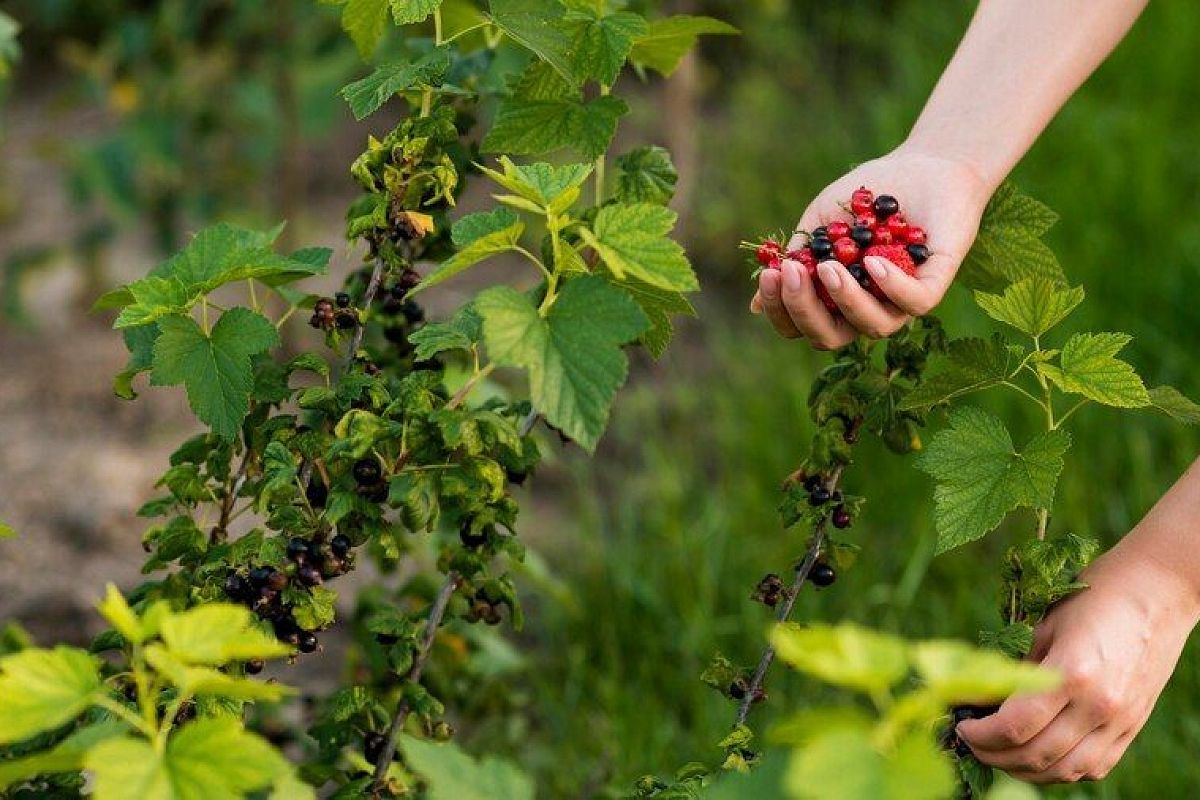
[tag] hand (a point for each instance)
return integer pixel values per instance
(1116, 644)
(944, 196)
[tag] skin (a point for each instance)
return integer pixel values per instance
(1118, 642)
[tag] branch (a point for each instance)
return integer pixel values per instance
(368, 298)
(231, 493)
(436, 613)
(785, 610)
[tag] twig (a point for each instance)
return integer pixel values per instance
(436, 613)
(527, 424)
(235, 486)
(361, 327)
(785, 610)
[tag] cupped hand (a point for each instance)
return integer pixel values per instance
(1116, 645)
(943, 196)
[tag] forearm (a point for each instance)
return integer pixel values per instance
(1018, 63)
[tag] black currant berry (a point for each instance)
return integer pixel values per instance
(412, 312)
(254, 667)
(277, 582)
(470, 537)
(340, 545)
(862, 235)
(308, 575)
(297, 549)
(373, 744)
(820, 233)
(836, 496)
(822, 575)
(737, 689)
(386, 639)
(841, 517)
(366, 472)
(885, 206)
(260, 575)
(821, 248)
(858, 272)
(346, 320)
(812, 482)
(342, 299)
(819, 496)
(308, 642)
(850, 436)
(375, 494)
(516, 476)
(409, 279)
(238, 588)
(960, 713)
(918, 252)
(317, 493)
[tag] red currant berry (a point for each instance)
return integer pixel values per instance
(845, 250)
(768, 253)
(898, 226)
(838, 230)
(804, 256)
(862, 201)
(882, 235)
(866, 220)
(914, 235)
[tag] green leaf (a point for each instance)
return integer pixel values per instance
(42, 689)
(981, 476)
(460, 332)
(313, 608)
(1033, 305)
(646, 175)
(365, 21)
(537, 26)
(155, 297)
(541, 184)
(215, 368)
(1087, 366)
(366, 96)
(209, 759)
(1015, 640)
(116, 610)
(632, 240)
(66, 756)
(478, 236)
(210, 682)
(6, 530)
(846, 655)
(917, 769)
(451, 774)
(536, 127)
(959, 673)
(1175, 404)
(659, 306)
(140, 343)
(1009, 247)
(601, 40)
(666, 41)
(217, 633)
(573, 355)
(970, 365)
(407, 12)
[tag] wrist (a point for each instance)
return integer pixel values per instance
(979, 181)
(1139, 563)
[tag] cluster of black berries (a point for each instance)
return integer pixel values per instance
(369, 477)
(769, 591)
(483, 608)
(819, 495)
(950, 739)
(329, 313)
(741, 687)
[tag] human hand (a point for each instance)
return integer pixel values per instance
(944, 196)
(1116, 644)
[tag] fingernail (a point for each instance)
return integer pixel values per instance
(756, 304)
(876, 267)
(829, 276)
(768, 284)
(791, 276)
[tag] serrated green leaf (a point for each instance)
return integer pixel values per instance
(407, 12)
(209, 682)
(1087, 366)
(66, 756)
(959, 673)
(633, 241)
(42, 689)
(536, 127)
(659, 306)
(116, 610)
(537, 26)
(140, 343)
(846, 655)
(666, 41)
(573, 355)
(970, 365)
(479, 236)
(646, 175)
(313, 608)
(460, 332)
(1032, 306)
(1009, 208)
(451, 774)
(209, 759)
(1014, 640)
(601, 40)
(366, 96)
(155, 297)
(1175, 404)
(981, 476)
(541, 184)
(214, 368)
(217, 633)
(365, 21)
(1009, 247)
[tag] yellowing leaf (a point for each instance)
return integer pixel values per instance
(217, 633)
(959, 673)
(42, 689)
(845, 655)
(114, 609)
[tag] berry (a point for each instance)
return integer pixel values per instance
(882, 235)
(821, 232)
(374, 494)
(819, 496)
(960, 713)
(308, 642)
(259, 576)
(373, 745)
(867, 220)
(859, 273)
(812, 482)
(470, 537)
(768, 254)
(342, 299)
(845, 250)
(862, 201)
(822, 575)
(254, 667)
(885, 206)
(769, 590)
(914, 235)
(738, 689)
(516, 476)
(386, 638)
(366, 472)
(323, 314)
(317, 493)
(919, 253)
(308, 575)
(346, 319)
(840, 517)
(821, 248)
(862, 236)
(340, 545)
(838, 230)
(409, 279)
(238, 588)
(804, 256)
(297, 549)
(413, 313)
(277, 582)
(898, 255)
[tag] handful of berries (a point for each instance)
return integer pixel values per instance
(878, 228)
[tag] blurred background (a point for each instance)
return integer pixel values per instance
(125, 125)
